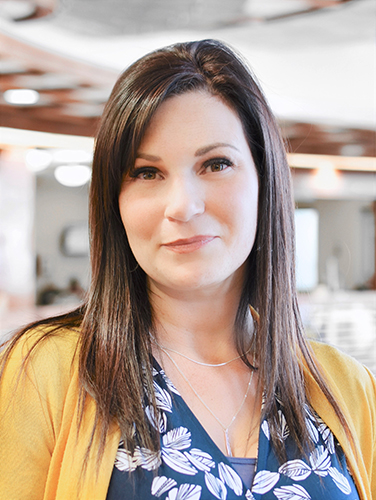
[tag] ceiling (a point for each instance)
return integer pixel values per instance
(313, 58)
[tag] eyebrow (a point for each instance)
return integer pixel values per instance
(147, 157)
(199, 152)
(206, 149)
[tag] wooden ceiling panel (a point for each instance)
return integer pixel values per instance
(50, 119)
(72, 94)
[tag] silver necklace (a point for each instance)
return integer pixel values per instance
(224, 428)
(194, 360)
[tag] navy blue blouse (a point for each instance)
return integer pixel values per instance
(190, 466)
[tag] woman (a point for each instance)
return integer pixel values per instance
(185, 374)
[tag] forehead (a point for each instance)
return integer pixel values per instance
(197, 115)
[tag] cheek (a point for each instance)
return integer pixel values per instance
(130, 216)
(139, 219)
(239, 208)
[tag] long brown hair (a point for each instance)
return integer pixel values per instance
(116, 318)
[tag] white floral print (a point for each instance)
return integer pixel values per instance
(340, 480)
(265, 429)
(264, 481)
(284, 430)
(163, 398)
(177, 461)
(185, 492)
(158, 421)
(161, 484)
(313, 431)
(177, 439)
(293, 492)
(200, 459)
(327, 436)
(231, 478)
(297, 470)
(320, 461)
(216, 486)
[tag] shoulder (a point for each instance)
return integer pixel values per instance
(352, 383)
(47, 337)
(340, 366)
(44, 354)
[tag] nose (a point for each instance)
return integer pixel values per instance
(184, 200)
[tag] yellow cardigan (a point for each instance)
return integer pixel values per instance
(41, 457)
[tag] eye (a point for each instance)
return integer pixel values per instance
(144, 173)
(217, 164)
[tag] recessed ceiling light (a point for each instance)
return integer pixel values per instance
(72, 175)
(21, 96)
(38, 159)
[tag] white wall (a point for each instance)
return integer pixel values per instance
(340, 236)
(56, 208)
(17, 263)
(307, 248)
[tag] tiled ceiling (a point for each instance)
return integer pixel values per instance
(72, 94)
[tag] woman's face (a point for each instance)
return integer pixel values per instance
(189, 205)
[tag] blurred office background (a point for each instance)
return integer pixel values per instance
(315, 60)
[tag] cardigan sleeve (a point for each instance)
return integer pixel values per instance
(31, 409)
(355, 388)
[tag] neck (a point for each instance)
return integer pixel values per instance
(201, 326)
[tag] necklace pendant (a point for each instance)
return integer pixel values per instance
(228, 444)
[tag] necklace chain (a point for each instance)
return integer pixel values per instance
(224, 428)
(215, 365)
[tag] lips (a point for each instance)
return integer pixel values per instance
(189, 244)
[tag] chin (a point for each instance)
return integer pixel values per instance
(197, 281)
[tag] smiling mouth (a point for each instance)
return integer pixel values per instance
(189, 244)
